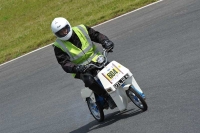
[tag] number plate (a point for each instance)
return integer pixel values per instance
(121, 81)
(113, 74)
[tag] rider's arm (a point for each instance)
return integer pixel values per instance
(96, 36)
(64, 60)
(100, 38)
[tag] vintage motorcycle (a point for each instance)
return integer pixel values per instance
(118, 82)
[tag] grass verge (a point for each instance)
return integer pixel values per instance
(25, 24)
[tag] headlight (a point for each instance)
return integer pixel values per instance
(100, 59)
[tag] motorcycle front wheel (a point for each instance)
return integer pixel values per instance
(136, 98)
(96, 110)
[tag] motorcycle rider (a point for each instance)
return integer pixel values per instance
(74, 48)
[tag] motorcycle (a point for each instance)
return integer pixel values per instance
(118, 82)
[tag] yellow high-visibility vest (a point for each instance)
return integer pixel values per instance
(88, 51)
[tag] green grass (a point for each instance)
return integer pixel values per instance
(25, 24)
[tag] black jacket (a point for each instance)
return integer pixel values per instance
(64, 59)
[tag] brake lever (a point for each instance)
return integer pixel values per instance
(86, 67)
(110, 51)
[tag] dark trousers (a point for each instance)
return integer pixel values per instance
(92, 84)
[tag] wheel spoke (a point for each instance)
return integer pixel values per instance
(94, 110)
(135, 100)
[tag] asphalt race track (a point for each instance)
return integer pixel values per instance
(160, 44)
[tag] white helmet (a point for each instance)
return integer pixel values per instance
(58, 24)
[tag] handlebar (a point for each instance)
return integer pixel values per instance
(104, 53)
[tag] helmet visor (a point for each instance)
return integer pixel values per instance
(63, 32)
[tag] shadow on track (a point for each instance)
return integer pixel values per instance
(109, 119)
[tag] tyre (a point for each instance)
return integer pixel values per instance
(96, 110)
(136, 98)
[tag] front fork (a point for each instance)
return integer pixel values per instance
(134, 85)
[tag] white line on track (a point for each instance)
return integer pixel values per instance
(93, 27)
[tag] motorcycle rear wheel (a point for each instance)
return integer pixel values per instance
(136, 98)
(96, 110)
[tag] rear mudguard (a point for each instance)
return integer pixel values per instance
(86, 92)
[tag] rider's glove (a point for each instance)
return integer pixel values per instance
(80, 68)
(107, 44)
